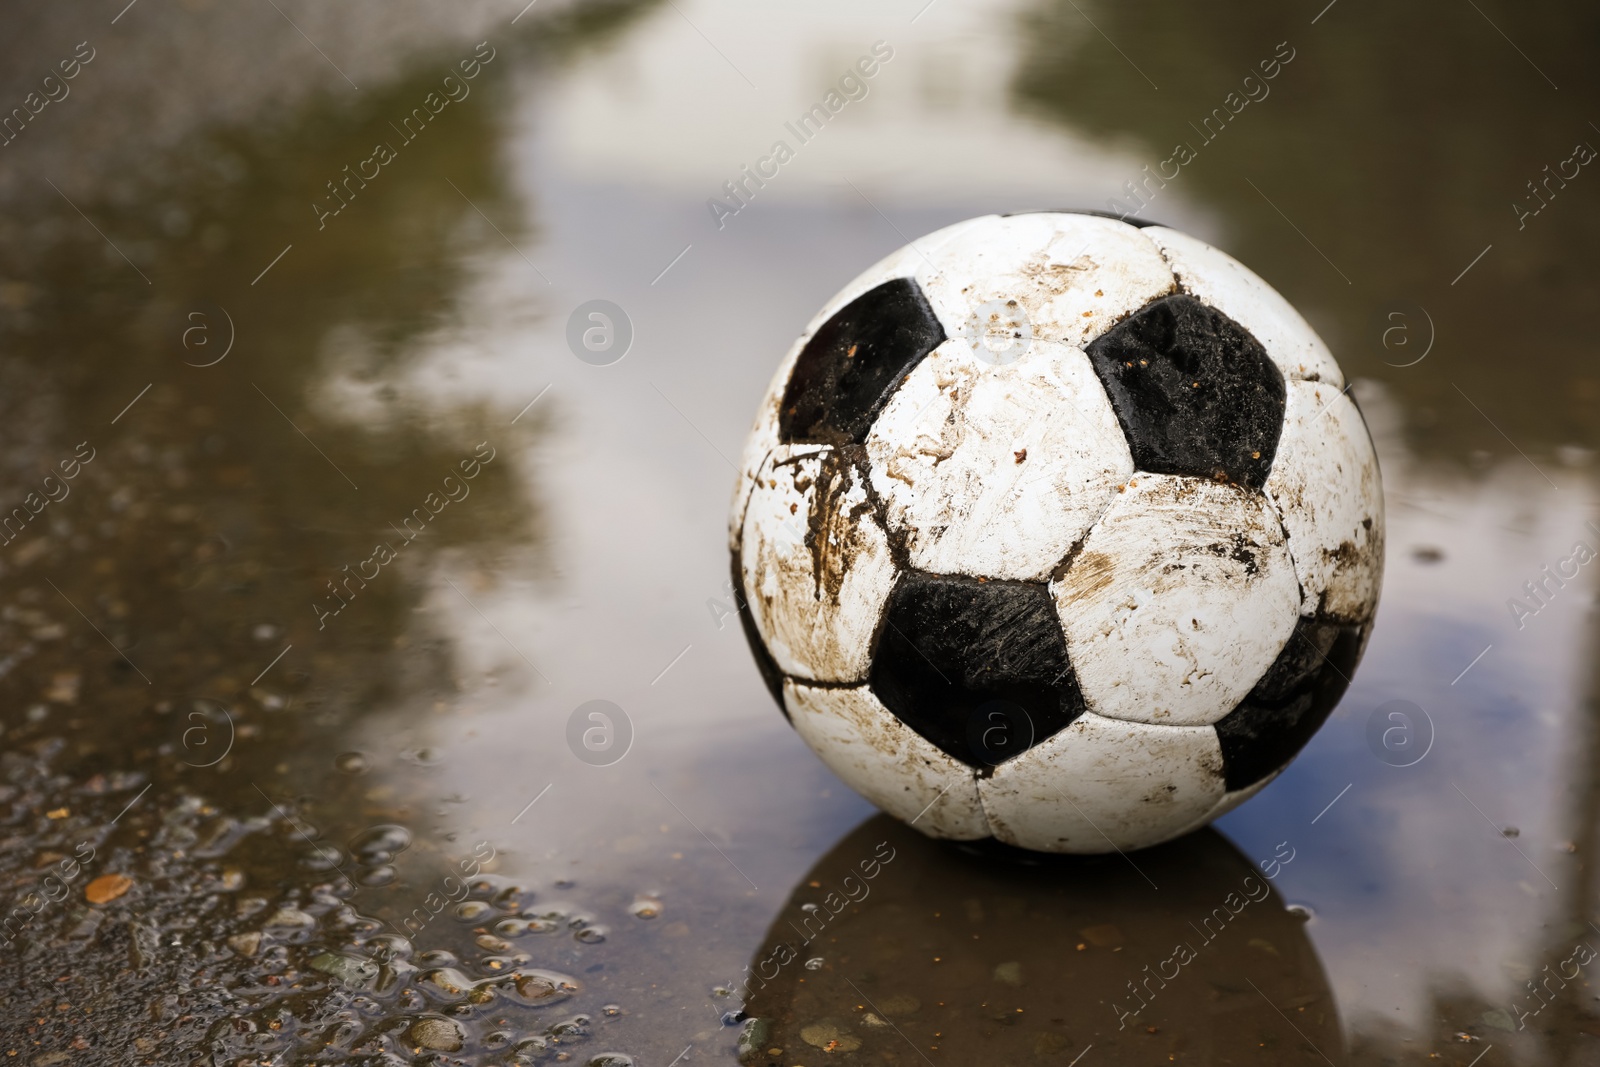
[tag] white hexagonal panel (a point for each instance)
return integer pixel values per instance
(886, 761)
(995, 471)
(1327, 487)
(1182, 595)
(1103, 784)
(815, 563)
(1216, 278)
(1325, 483)
(1073, 276)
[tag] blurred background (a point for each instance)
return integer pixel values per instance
(270, 794)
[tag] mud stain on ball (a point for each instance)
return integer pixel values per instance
(1326, 486)
(995, 471)
(1183, 594)
(815, 564)
(833, 524)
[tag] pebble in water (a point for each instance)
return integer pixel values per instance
(352, 763)
(446, 984)
(513, 898)
(380, 844)
(322, 857)
(438, 1035)
(543, 922)
(471, 910)
(539, 987)
(378, 876)
(577, 1026)
(753, 1038)
(530, 1049)
(828, 1035)
(106, 888)
(645, 906)
(290, 918)
(349, 971)
(391, 947)
(246, 944)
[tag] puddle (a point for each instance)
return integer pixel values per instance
(372, 683)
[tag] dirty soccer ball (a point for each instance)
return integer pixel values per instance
(1060, 530)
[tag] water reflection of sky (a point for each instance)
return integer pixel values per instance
(1424, 906)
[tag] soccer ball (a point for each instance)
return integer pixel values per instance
(1057, 529)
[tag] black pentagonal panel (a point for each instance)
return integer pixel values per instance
(852, 364)
(770, 673)
(1195, 392)
(1290, 702)
(1131, 220)
(980, 669)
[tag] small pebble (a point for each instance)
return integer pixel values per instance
(351, 763)
(829, 1037)
(106, 888)
(437, 1035)
(292, 917)
(246, 944)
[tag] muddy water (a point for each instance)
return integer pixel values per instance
(333, 538)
